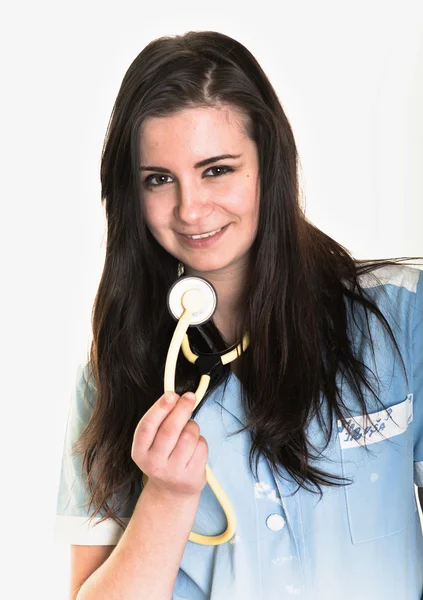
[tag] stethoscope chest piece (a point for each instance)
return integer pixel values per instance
(194, 294)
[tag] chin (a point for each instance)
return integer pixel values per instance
(205, 268)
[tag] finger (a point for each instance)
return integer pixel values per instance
(168, 434)
(148, 425)
(199, 458)
(185, 445)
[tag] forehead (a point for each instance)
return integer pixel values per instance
(199, 129)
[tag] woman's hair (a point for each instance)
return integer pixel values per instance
(302, 285)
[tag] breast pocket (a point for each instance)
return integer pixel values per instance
(379, 460)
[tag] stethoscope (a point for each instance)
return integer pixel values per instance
(193, 301)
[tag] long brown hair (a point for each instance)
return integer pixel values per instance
(302, 282)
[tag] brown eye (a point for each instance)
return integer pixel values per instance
(161, 177)
(148, 180)
(221, 168)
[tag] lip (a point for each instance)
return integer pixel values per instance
(204, 243)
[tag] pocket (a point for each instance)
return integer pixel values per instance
(381, 498)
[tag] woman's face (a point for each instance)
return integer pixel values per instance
(182, 197)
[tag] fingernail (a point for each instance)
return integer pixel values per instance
(190, 396)
(170, 397)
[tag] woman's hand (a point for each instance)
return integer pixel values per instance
(168, 447)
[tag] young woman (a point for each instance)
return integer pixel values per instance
(315, 432)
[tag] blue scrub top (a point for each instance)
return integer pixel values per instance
(360, 541)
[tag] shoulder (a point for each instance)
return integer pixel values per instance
(398, 276)
(83, 397)
(85, 382)
(395, 290)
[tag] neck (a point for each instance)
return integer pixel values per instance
(229, 285)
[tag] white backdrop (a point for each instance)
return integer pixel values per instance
(350, 78)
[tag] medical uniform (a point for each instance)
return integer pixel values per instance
(360, 541)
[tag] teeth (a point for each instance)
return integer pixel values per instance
(205, 235)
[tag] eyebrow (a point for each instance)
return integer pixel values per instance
(198, 165)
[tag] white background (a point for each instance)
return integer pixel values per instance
(350, 78)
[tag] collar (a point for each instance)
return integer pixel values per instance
(230, 399)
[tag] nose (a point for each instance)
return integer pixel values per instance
(194, 204)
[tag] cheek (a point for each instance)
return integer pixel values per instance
(244, 202)
(233, 192)
(154, 214)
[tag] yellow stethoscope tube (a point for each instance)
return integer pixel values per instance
(191, 301)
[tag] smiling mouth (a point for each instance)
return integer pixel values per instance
(201, 236)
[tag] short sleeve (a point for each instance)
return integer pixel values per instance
(417, 357)
(72, 517)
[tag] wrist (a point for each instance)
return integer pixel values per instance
(162, 495)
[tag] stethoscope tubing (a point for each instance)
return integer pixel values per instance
(191, 301)
(169, 386)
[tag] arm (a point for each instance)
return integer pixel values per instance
(144, 563)
(146, 560)
(84, 560)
